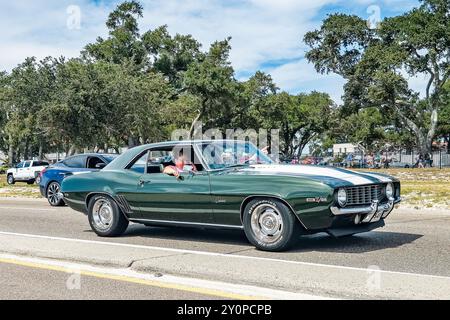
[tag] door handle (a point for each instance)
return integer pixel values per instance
(142, 182)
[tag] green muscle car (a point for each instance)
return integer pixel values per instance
(229, 184)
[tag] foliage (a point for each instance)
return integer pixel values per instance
(377, 62)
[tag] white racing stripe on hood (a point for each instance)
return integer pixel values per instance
(377, 176)
(351, 177)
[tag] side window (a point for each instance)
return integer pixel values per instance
(27, 164)
(20, 165)
(75, 162)
(93, 161)
(140, 164)
(40, 163)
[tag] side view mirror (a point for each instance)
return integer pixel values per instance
(100, 165)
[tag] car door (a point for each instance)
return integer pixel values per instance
(24, 171)
(167, 198)
(18, 171)
(28, 170)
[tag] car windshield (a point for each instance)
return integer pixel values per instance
(227, 154)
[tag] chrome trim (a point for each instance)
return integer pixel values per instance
(370, 210)
(188, 223)
(273, 197)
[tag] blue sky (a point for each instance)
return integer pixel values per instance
(266, 34)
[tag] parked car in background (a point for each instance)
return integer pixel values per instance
(26, 171)
(52, 177)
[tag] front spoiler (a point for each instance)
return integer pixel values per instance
(360, 228)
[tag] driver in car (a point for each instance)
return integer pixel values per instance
(180, 165)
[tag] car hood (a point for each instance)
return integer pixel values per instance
(334, 177)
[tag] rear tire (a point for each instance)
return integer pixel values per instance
(37, 179)
(105, 217)
(52, 195)
(270, 225)
(10, 179)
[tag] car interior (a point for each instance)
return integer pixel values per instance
(159, 158)
(93, 161)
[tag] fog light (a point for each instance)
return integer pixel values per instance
(357, 219)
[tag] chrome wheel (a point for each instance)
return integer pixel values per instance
(102, 214)
(10, 179)
(53, 195)
(267, 223)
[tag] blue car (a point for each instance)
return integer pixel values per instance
(52, 177)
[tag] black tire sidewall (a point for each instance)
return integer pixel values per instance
(119, 223)
(10, 176)
(289, 225)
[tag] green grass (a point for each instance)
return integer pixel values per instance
(19, 189)
(423, 188)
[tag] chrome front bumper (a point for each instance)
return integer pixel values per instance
(374, 210)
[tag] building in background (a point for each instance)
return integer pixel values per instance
(345, 148)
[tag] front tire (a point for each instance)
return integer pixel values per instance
(10, 179)
(53, 196)
(105, 217)
(270, 225)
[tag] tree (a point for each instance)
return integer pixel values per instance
(124, 43)
(211, 78)
(301, 118)
(376, 62)
(171, 55)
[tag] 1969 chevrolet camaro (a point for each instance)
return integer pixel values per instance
(229, 184)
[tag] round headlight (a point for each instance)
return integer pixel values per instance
(342, 197)
(389, 190)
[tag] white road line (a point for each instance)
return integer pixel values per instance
(218, 286)
(26, 208)
(215, 254)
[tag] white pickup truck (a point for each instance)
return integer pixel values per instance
(27, 171)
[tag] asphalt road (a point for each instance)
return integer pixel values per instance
(412, 244)
(24, 282)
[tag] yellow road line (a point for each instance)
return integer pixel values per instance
(153, 283)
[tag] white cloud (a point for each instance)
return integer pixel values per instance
(300, 75)
(264, 32)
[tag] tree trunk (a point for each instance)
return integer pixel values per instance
(192, 131)
(424, 142)
(40, 154)
(71, 151)
(26, 153)
(11, 158)
(131, 142)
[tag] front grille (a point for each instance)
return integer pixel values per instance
(364, 194)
